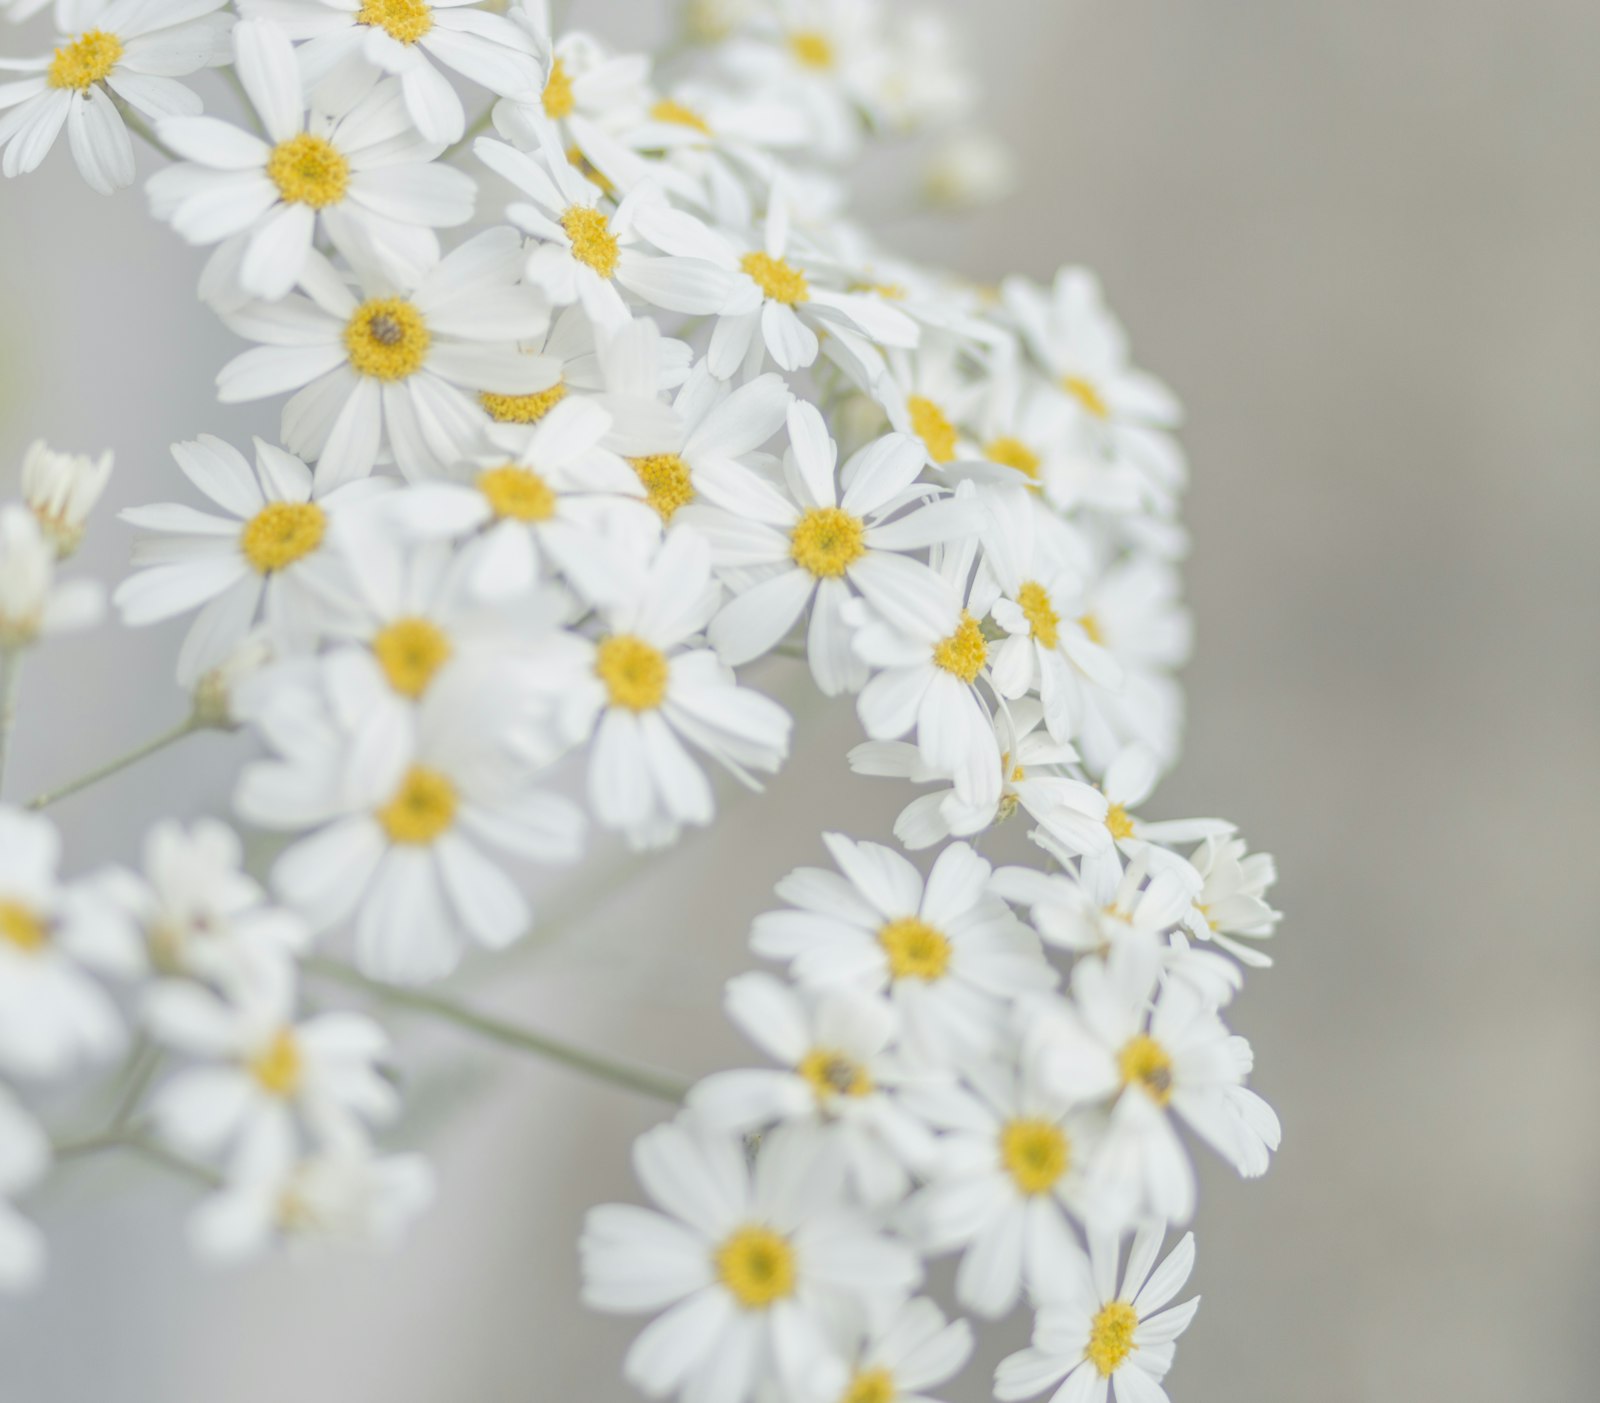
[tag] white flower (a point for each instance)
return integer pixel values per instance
(950, 955)
(929, 392)
(1231, 905)
(135, 49)
(24, 1158)
(358, 172)
(1096, 1338)
(255, 561)
(389, 369)
(895, 1359)
(969, 170)
(841, 1071)
(1129, 781)
(54, 1015)
(216, 674)
(749, 1267)
(345, 39)
(32, 604)
(61, 489)
(403, 799)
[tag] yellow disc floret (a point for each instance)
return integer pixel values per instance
(1035, 1153)
(1119, 822)
(387, 339)
(757, 1267)
(915, 949)
(1091, 628)
(411, 652)
(777, 279)
(1043, 621)
(593, 242)
(308, 170)
(1111, 1337)
(20, 928)
(834, 1074)
(666, 482)
(282, 533)
(675, 114)
(871, 1386)
(1087, 395)
(933, 427)
(278, 1066)
(1144, 1062)
(522, 409)
(1013, 453)
(827, 541)
(964, 652)
(422, 808)
(517, 494)
(812, 49)
(635, 673)
(403, 20)
(557, 98)
(85, 61)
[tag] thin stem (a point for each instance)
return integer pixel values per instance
(10, 684)
(480, 124)
(137, 1140)
(142, 1066)
(640, 1079)
(231, 77)
(137, 125)
(122, 762)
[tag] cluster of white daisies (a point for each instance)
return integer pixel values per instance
(656, 409)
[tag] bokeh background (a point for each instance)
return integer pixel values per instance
(1360, 239)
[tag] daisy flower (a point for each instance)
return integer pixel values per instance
(896, 1358)
(254, 561)
(33, 604)
(1231, 906)
(134, 49)
(345, 39)
(1096, 1340)
(748, 1265)
(397, 367)
(1129, 781)
(61, 489)
(404, 800)
(24, 1158)
(928, 392)
(949, 954)
(358, 173)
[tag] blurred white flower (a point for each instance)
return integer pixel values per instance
(61, 489)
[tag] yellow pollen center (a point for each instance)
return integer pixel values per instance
(422, 808)
(593, 242)
(1091, 628)
(871, 1386)
(282, 533)
(757, 1267)
(403, 20)
(1013, 453)
(964, 652)
(777, 279)
(827, 541)
(634, 672)
(558, 99)
(85, 61)
(833, 1074)
(308, 171)
(1085, 392)
(522, 409)
(666, 482)
(930, 424)
(19, 927)
(677, 115)
(1119, 822)
(1111, 1337)
(387, 339)
(1043, 621)
(517, 494)
(411, 652)
(812, 49)
(277, 1066)
(1035, 1152)
(915, 949)
(1144, 1062)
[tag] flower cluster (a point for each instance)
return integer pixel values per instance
(579, 419)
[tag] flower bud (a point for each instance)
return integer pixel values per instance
(61, 490)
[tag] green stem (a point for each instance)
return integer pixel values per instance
(137, 125)
(137, 1141)
(231, 78)
(630, 1078)
(122, 762)
(480, 124)
(10, 685)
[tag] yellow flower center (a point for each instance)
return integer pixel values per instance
(85, 61)
(282, 533)
(519, 494)
(777, 279)
(277, 1066)
(308, 171)
(558, 99)
(1013, 453)
(411, 652)
(1035, 1152)
(915, 949)
(812, 49)
(677, 115)
(964, 652)
(1119, 822)
(1091, 628)
(827, 541)
(1043, 621)
(871, 1386)
(667, 485)
(422, 808)
(21, 928)
(1111, 1337)
(522, 409)
(757, 1267)
(592, 240)
(402, 20)
(1085, 392)
(936, 431)
(387, 339)
(635, 673)
(834, 1074)
(1144, 1062)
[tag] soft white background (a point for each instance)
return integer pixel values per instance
(1360, 239)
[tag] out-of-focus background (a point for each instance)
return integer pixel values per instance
(1361, 240)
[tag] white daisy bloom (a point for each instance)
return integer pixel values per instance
(1129, 780)
(1231, 906)
(55, 1016)
(359, 174)
(255, 561)
(1097, 1340)
(643, 690)
(894, 1359)
(950, 955)
(345, 39)
(929, 392)
(841, 1071)
(134, 49)
(214, 677)
(33, 604)
(265, 1075)
(398, 367)
(749, 1266)
(815, 546)
(970, 169)
(404, 800)
(24, 1158)
(61, 489)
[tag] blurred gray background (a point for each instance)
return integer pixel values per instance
(1360, 240)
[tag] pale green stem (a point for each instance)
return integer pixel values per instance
(480, 124)
(231, 77)
(137, 125)
(138, 1141)
(10, 684)
(643, 1080)
(122, 762)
